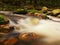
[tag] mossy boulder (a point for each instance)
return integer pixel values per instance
(21, 11)
(55, 11)
(30, 13)
(44, 9)
(3, 20)
(40, 15)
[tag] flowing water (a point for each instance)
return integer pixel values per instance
(48, 28)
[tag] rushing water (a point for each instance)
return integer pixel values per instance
(47, 28)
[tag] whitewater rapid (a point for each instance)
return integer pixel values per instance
(48, 28)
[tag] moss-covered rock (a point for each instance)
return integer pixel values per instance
(3, 20)
(1, 17)
(21, 11)
(44, 9)
(40, 15)
(55, 11)
(30, 13)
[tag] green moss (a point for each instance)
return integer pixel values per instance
(32, 10)
(1, 17)
(21, 11)
(3, 20)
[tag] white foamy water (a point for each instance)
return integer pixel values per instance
(44, 27)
